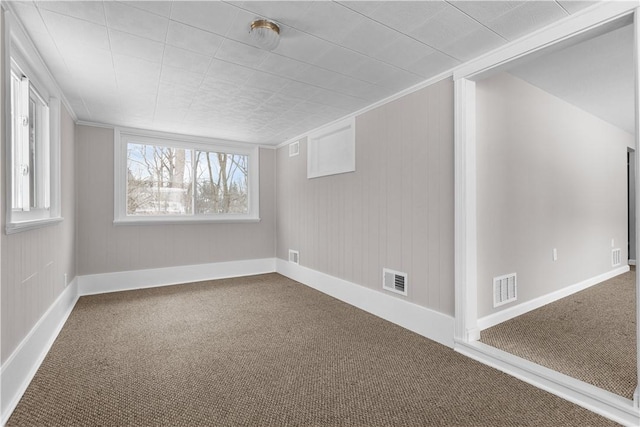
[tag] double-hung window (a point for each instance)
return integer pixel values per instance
(32, 142)
(168, 178)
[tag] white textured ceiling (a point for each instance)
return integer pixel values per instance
(595, 75)
(190, 67)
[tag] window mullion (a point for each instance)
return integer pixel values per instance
(194, 166)
(44, 159)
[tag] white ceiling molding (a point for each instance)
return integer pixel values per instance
(501, 55)
(422, 85)
(174, 136)
(15, 24)
(546, 37)
(191, 68)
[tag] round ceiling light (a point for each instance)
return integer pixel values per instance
(265, 34)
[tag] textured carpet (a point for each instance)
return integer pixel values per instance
(590, 335)
(265, 351)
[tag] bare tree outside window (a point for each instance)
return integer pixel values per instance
(221, 183)
(160, 181)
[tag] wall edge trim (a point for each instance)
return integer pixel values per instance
(588, 396)
(527, 306)
(429, 323)
(404, 92)
(103, 125)
(150, 278)
(22, 365)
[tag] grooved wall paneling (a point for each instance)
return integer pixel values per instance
(105, 248)
(34, 262)
(395, 210)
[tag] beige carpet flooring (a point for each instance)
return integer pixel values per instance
(265, 351)
(590, 335)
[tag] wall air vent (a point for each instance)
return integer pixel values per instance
(294, 148)
(394, 281)
(294, 256)
(616, 257)
(505, 289)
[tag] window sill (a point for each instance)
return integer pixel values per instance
(17, 227)
(177, 221)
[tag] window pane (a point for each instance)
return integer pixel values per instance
(158, 180)
(30, 161)
(33, 126)
(221, 183)
(16, 164)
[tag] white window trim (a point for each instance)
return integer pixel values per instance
(18, 46)
(122, 136)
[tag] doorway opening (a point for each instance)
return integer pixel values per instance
(555, 225)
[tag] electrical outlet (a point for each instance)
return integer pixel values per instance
(66, 280)
(555, 254)
(613, 243)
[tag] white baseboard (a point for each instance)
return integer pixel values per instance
(423, 321)
(19, 369)
(520, 309)
(632, 262)
(602, 402)
(139, 279)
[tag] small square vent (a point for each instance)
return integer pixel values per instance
(294, 256)
(616, 257)
(394, 281)
(505, 289)
(294, 148)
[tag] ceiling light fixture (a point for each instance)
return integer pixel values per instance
(265, 34)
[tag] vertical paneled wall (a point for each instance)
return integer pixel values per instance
(104, 247)
(34, 262)
(395, 211)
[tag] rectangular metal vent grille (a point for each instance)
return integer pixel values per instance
(616, 257)
(394, 281)
(294, 148)
(505, 289)
(294, 256)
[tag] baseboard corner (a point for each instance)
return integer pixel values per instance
(498, 317)
(150, 278)
(588, 396)
(19, 369)
(429, 323)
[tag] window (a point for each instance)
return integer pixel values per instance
(183, 179)
(30, 146)
(32, 140)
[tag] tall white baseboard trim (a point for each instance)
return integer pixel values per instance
(19, 369)
(423, 321)
(600, 401)
(520, 309)
(139, 279)
(632, 262)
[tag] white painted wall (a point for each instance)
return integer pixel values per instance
(106, 248)
(394, 211)
(549, 175)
